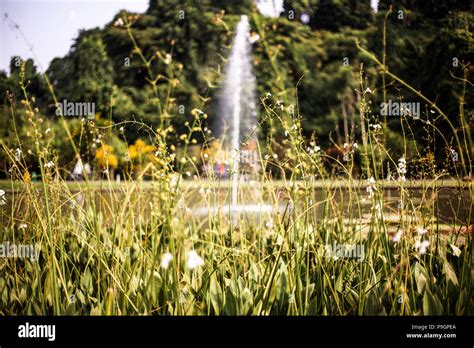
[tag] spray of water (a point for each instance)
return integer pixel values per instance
(237, 101)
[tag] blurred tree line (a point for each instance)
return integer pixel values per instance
(311, 45)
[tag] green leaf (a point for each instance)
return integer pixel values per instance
(312, 309)
(216, 294)
(420, 278)
(431, 304)
(247, 301)
(96, 311)
(450, 274)
(230, 303)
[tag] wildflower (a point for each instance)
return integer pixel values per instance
(396, 238)
(121, 129)
(376, 127)
(17, 154)
(402, 168)
(194, 260)
(49, 165)
(254, 38)
(174, 182)
(196, 112)
(119, 23)
(368, 90)
(420, 231)
(269, 224)
(371, 188)
(167, 58)
(47, 131)
(422, 246)
(275, 156)
(165, 260)
(22, 226)
(106, 172)
(268, 94)
(355, 145)
(2, 198)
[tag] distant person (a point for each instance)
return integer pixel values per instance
(80, 169)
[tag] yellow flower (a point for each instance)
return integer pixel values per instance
(26, 177)
(105, 156)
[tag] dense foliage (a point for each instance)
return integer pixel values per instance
(311, 46)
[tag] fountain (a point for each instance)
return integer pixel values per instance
(237, 101)
(238, 122)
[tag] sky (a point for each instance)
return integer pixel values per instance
(49, 27)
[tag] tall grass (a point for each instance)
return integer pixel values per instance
(139, 247)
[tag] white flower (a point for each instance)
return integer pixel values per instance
(396, 238)
(371, 188)
(49, 165)
(168, 58)
(47, 131)
(376, 127)
(421, 231)
(121, 129)
(165, 260)
(17, 154)
(402, 169)
(269, 224)
(254, 38)
(305, 18)
(22, 226)
(268, 94)
(368, 90)
(402, 165)
(119, 23)
(194, 260)
(355, 145)
(422, 246)
(2, 198)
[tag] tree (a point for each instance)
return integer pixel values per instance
(335, 14)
